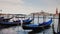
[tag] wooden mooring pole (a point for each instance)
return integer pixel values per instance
(53, 25)
(44, 19)
(59, 23)
(33, 17)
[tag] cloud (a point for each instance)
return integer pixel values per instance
(13, 2)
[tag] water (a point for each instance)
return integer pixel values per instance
(20, 30)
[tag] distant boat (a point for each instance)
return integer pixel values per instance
(39, 26)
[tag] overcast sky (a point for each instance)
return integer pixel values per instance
(29, 6)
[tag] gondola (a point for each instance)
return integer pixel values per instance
(39, 26)
(5, 21)
(10, 23)
(18, 22)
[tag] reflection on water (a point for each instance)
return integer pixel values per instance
(19, 30)
(45, 31)
(14, 30)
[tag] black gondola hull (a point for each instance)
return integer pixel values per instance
(36, 28)
(33, 28)
(13, 24)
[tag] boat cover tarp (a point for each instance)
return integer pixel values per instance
(42, 24)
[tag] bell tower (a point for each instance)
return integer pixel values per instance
(56, 11)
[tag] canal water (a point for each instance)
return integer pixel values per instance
(20, 30)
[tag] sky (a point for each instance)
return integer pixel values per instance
(29, 6)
